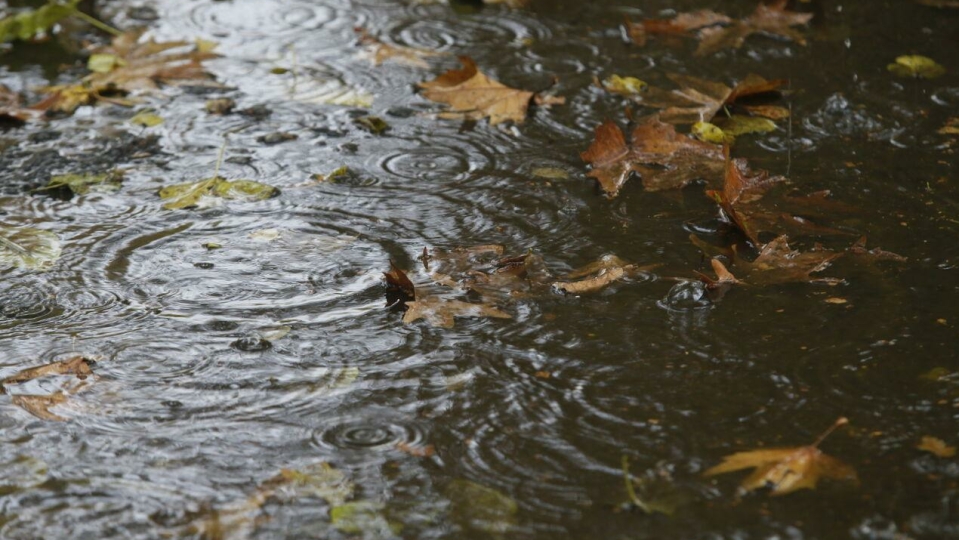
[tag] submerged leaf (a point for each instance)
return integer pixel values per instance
(39, 405)
(481, 508)
(442, 312)
(627, 86)
(85, 183)
(28, 248)
(785, 470)
(380, 52)
(916, 66)
(699, 100)
(936, 447)
(770, 18)
(365, 518)
(146, 118)
(678, 25)
(471, 95)
(598, 275)
(398, 280)
(190, 194)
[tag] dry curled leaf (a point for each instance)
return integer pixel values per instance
(471, 95)
(698, 100)
(785, 470)
(663, 158)
(937, 447)
(771, 19)
(680, 24)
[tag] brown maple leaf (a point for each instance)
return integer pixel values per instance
(724, 278)
(678, 25)
(771, 19)
(699, 100)
(441, 311)
(78, 366)
(778, 263)
(380, 52)
(858, 249)
(785, 470)
(130, 66)
(471, 95)
(741, 188)
(397, 279)
(39, 405)
(663, 158)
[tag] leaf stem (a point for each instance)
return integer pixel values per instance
(841, 421)
(630, 491)
(219, 159)
(96, 23)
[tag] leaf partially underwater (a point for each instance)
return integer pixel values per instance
(598, 275)
(481, 508)
(84, 183)
(28, 248)
(785, 470)
(442, 312)
(472, 95)
(191, 194)
(770, 18)
(699, 100)
(40, 405)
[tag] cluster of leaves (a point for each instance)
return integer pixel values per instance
(487, 280)
(716, 31)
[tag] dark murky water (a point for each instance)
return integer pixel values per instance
(191, 411)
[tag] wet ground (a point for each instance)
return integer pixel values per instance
(191, 411)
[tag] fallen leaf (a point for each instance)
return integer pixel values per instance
(724, 278)
(137, 67)
(858, 249)
(665, 502)
(471, 95)
(951, 127)
(916, 66)
(442, 312)
(785, 470)
(39, 406)
(220, 106)
(663, 158)
(778, 263)
(28, 248)
(937, 447)
(771, 19)
(146, 118)
(78, 366)
(30, 23)
(379, 52)
(699, 100)
(365, 518)
(191, 194)
(398, 280)
(414, 450)
(550, 173)
(627, 86)
(11, 110)
(741, 188)
(678, 25)
(373, 124)
(481, 508)
(84, 183)
(598, 275)
(836, 300)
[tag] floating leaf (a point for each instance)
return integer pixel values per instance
(373, 124)
(397, 279)
(551, 173)
(104, 62)
(190, 194)
(741, 188)
(28, 24)
(678, 25)
(472, 95)
(28, 248)
(481, 508)
(598, 275)
(770, 18)
(785, 470)
(665, 502)
(710, 133)
(84, 183)
(699, 100)
(627, 86)
(146, 118)
(380, 52)
(39, 405)
(442, 312)
(11, 110)
(937, 447)
(951, 127)
(220, 106)
(916, 66)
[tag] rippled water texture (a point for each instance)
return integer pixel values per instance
(218, 368)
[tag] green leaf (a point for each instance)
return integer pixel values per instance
(373, 124)
(146, 118)
(190, 194)
(366, 518)
(104, 63)
(481, 508)
(712, 133)
(319, 480)
(916, 66)
(27, 24)
(84, 183)
(28, 248)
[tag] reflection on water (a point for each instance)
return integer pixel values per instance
(221, 366)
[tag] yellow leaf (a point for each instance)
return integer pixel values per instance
(785, 470)
(712, 133)
(146, 119)
(627, 86)
(937, 447)
(104, 63)
(916, 66)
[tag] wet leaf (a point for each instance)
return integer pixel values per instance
(598, 275)
(678, 25)
(103, 62)
(627, 86)
(699, 100)
(478, 507)
(84, 183)
(663, 158)
(397, 279)
(191, 194)
(39, 406)
(741, 188)
(550, 173)
(28, 248)
(858, 249)
(663, 501)
(220, 106)
(711, 133)
(28, 24)
(146, 118)
(379, 52)
(724, 278)
(442, 312)
(138, 67)
(471, 95)
(78, 366)
(785, 470)
(937, 447)
(11, 111)
(319, 480)
(916, 66)
(737, 125)
(769, 18)
(778, 263)
(365, 518)
(373, 124)
(951, 127)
